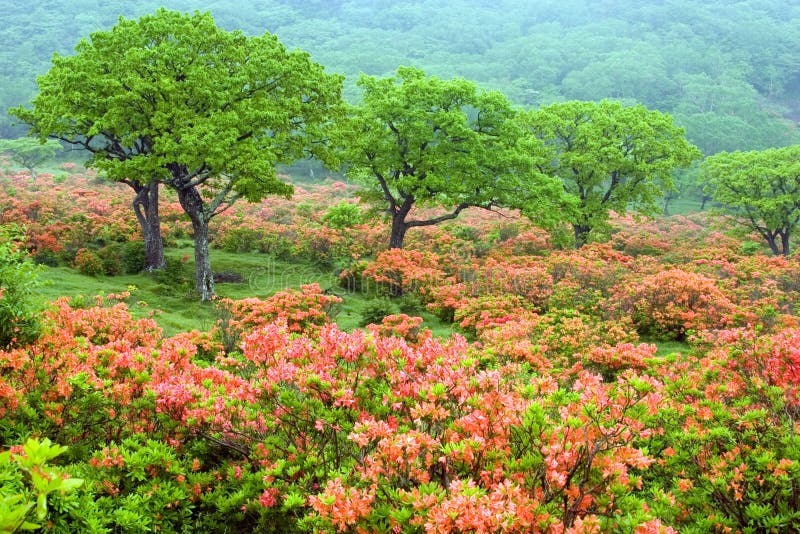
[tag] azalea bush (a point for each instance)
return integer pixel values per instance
(19, 310)
(671, 302)
(400, 271)
(729, 442)
(304, 310)
(551, 411)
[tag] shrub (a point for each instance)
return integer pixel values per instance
(376, 310)
(239, 240)
(18, 281)
(304, 310)
(343, 215)
(730, 444)
(750, 248)
(669, 303)
(480, 313)
(133, 257)
(402, 326)
(88, 262)
(400, 271)
(352, 278)
(47, 257)
(111, 258)
(174, 278)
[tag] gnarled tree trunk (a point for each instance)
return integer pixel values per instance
(785, 242)
(192, 204)
(145, 206)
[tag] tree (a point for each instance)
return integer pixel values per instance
(30, 153)
(422, 142)
(171, 98)
(610, 157)
(761, 189)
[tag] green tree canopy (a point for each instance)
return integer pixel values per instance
(761, 189)
(172, 98)
(610, 157)
(424, 142)
(30, 153)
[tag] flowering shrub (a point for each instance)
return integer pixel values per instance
(402, 271)
(555, 341)
(670, 302)
(728, 433)
(402, 326)
(478, 314)
(19, 310)
(88, 262)
(304, 310)
(609, 360)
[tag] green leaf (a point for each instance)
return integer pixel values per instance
(41, 506)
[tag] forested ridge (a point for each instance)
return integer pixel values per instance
(728, 72)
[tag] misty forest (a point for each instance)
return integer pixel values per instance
(370, 266)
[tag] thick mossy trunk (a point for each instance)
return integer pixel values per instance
(145, 205)
(192, 204)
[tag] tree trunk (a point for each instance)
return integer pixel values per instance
(785, 243)
(581, 234)
(773, 245)
(399, 228)
(145, 205)
(192, 204)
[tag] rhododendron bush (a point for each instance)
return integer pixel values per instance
(340, 429)
(552, 410)
(307, 427)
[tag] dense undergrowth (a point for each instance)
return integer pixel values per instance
(540, 402)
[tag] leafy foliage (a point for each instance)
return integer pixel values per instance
(343, 215)
(761, 190)
(610, 157)
(176, 99)
(19, 308)
(419, 141)
(17, 497)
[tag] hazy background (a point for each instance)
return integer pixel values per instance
(728, 71)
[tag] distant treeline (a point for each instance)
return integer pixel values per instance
(728, 72)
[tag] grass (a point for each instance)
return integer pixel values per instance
(176, 310)
(665, 348)
(685, 205)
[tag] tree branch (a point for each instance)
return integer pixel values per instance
(436, 220)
